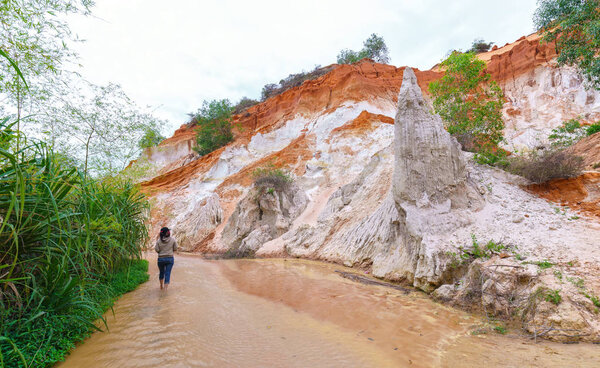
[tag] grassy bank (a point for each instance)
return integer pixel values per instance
(41, 341)
(69, 245)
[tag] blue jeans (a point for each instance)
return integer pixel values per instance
(165, 265)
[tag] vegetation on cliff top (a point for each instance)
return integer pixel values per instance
(214, 123)
(374, 48)
(470, 103)
(573, 25)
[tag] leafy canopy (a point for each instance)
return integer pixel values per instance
(151, 138)
(470, 103)
(214, 126)
(374, 48)
(575, 27)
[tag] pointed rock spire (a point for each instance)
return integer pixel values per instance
(429, 165)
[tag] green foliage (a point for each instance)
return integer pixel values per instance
(291, 81)
(592, 129)
(500, 329)
(271, 178)
(552, 296)
(544, 264)
(593, 298)
(569, 133)
(45, 338)
(151, 138)
(214, 124)
(374, 48)
(62, 239)
(470, 103)
(573, 25)
(479, 45)
(541, 167)
(478, 251)
(558, 274)
(244, 104)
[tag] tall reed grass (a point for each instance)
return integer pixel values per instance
(68, 247)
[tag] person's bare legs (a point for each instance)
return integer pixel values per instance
(166, 287)
(162, 283)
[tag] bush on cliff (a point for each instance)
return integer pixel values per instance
(540, 167)
(470, 103)
(291, 81)
(573, 25)
(479, 45)
(271, 177)
(374, 48)
(214, 126)
(151, 138)
(244, 104)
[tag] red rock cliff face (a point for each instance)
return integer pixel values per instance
(517, 58)
(365, 81)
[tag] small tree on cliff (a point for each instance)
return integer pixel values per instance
(574, 26)
(470, 103)
(214, 126)
(479, 45)
(373, 48)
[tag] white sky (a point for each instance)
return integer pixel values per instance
(174, 54)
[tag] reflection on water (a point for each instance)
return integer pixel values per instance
(278, 313)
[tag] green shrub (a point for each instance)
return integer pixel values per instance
(544, 264)
(244, 104)
(470, 103)
(592, 129)
(569, 133)
(151, 138)
(573, 25)
(214, 126)
(271, 178)
(374, 48)
(552, 296)
(545, 166)
(291, 81)
(477, 251)
(479, 45)
(500, 329)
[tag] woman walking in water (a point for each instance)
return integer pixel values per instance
(165, 246)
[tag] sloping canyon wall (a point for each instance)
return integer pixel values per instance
(357, 197)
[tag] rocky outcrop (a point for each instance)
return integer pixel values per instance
(429, 165)
(401, 238)
(265, 213)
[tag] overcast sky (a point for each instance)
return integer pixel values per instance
(174, 54)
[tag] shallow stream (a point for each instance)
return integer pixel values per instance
(293, 313)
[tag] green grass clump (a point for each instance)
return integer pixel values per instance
(544, 264)
(500, 329)
(592, 129)
(552, 296)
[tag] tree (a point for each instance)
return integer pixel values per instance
(151, 138)
(36, 36)
(214, 126)
(574, 26)
(374, 48)
(98, 126)
(470, 103)
(479, 45)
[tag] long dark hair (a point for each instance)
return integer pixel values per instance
(164, 233)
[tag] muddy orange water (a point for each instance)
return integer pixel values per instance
(292, 313)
